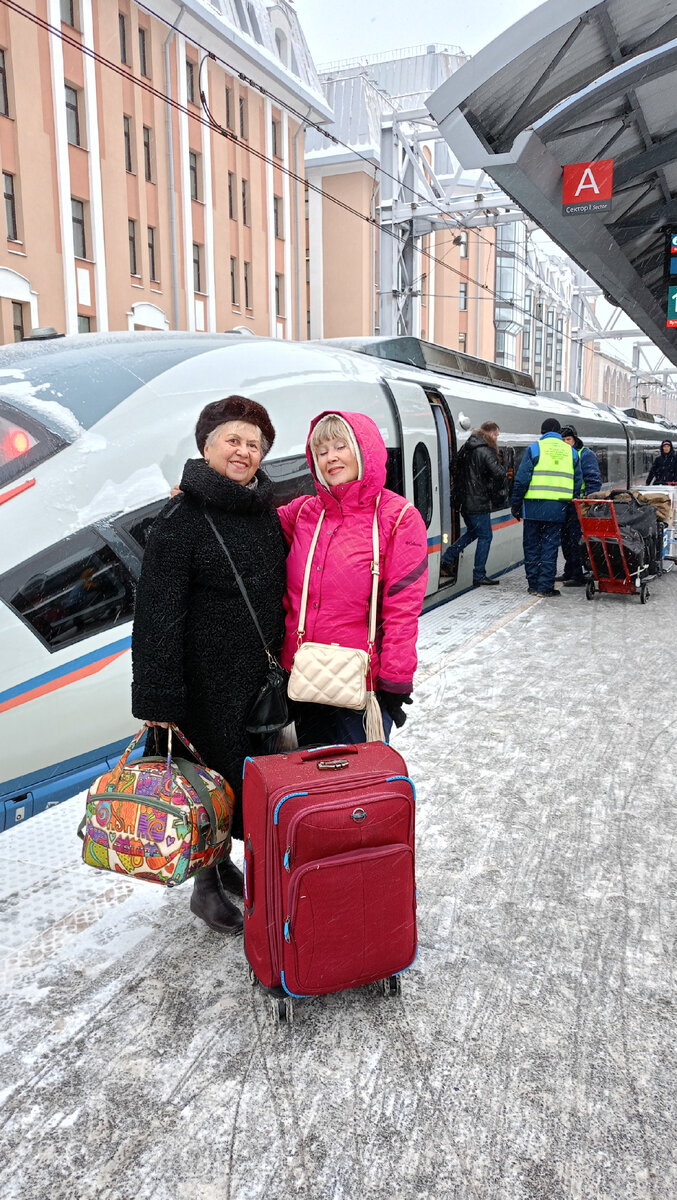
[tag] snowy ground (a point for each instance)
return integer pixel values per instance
(532, 1054)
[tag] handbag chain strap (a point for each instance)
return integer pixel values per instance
(238, 579)
(371, 635)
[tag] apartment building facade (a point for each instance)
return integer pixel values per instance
(147, 161)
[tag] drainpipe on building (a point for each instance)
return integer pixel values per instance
(170, 145)
(479, 279)
(299, 307)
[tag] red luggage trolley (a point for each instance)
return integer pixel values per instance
(607, 557)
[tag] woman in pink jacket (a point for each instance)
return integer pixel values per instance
(347, 458)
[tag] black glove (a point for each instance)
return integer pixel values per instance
(516, 511)
(392, 703)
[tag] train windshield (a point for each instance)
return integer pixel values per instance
(73, 384)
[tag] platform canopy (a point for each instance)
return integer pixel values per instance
(577, 82)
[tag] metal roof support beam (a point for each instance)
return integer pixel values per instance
(513, 126)
(658, 155)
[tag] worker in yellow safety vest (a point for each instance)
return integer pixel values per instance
(548, 479)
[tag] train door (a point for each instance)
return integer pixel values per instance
(420, 463)
(446, 449)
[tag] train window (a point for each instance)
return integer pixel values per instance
(423, 483)
(500, 499)
(70, 591)
(603, 460)
(291, 477)
(24, 442)
(137, 525)
(394, 479)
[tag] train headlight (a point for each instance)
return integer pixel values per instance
(16, 441)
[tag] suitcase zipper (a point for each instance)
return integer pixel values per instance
(357, 809)
(346, 860)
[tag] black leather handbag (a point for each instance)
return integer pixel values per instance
(269, 712)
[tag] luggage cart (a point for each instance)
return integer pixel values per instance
(609, 566)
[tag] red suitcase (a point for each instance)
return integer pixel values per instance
(329, 893)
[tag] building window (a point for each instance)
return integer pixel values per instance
(253, 21)
(68, 12)
(230, 114)
(10, 206)
(18, 321)
(275, 126)
(197, 267)
(122, 27)
(152, 262)
(462, 340)
(279, 295)
(84, 324)
(72, 116)
(277, 216)
(79, 240)
(244, 118)
(234, 294)
(463, 245)
(147, 154)
(190, 80)
(143, 52)
(245, 202)
(4, 103)
(131, 226)
(247, 285)
(127, 126)
(231, 196)
(463, 297)
(194, 172)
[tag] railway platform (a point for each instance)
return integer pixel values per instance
(531, 1054)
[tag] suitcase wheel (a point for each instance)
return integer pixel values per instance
(392, 986)
(282, 1010)
(644, 593)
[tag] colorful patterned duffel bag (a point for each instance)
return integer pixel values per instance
(160, 819)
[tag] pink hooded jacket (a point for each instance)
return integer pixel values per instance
(340, 579)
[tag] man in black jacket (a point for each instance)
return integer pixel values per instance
(480, 478)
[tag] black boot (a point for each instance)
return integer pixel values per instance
(209, 902)
(230, 877)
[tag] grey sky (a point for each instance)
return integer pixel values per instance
(357, 27)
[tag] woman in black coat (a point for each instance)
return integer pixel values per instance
(197, 658)
(664, 468)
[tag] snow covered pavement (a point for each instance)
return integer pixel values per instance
(531, 1055)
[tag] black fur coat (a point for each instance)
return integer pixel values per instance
(197, 659)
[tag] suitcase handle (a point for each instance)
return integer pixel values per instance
(248, 889)
(327, 752)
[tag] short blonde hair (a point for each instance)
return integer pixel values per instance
(330, 427)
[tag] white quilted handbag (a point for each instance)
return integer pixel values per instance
(326, 673)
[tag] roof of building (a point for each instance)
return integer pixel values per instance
(362, 90)
(576, 82)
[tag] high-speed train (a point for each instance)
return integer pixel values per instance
(94, 431)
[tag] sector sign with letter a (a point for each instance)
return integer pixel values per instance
(588, 187)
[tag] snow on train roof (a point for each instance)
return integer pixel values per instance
(89, 374)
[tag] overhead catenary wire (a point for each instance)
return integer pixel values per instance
(147, 86)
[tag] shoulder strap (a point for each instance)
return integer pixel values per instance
(240, 584)
(374, 575)
(374, 579)
(306, 578)
(400, 515)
